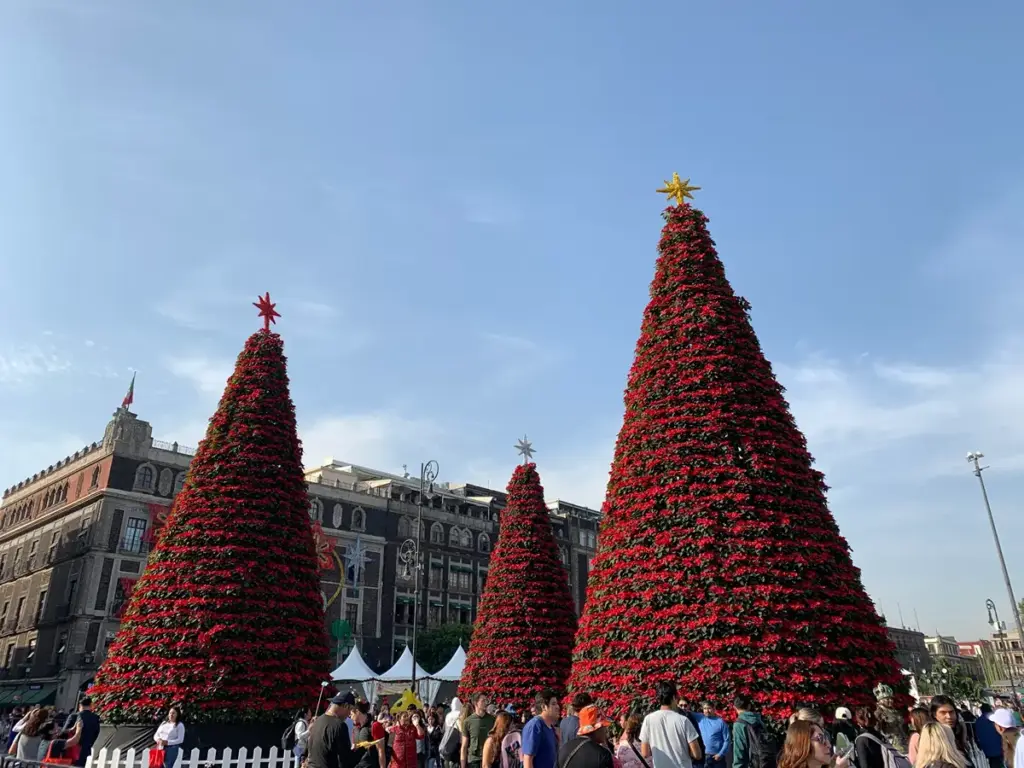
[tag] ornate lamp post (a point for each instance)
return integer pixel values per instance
(412, 558)
(997, 627)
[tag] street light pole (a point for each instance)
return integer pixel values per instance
(410, 554)
(993, 619)
(974, 457)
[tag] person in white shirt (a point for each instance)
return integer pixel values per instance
(667, 736)
(301, 734)
(169, 736)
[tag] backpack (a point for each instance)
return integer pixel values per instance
(288, 738)
(890, 757)
(511, 751)
(451, 744)
(762, 747)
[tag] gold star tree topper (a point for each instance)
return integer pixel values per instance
(680, 190)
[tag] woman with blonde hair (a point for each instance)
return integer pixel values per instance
(808, 715)
(918, 717)
(937, 748)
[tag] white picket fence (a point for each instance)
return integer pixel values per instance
(244, 758)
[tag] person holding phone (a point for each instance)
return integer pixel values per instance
(406, 731)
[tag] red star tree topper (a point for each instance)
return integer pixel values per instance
(522, 640)
(719, 565)
(227, 618)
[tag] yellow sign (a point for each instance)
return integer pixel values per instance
(408, 697)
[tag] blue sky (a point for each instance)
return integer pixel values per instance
(453, 204)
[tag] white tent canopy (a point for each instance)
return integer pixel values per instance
(402, 670)
(354, 669)
(450, 672)
(453, 669)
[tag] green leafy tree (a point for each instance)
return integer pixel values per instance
(435, 646)
(950, 680)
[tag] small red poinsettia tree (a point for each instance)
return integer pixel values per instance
(719, 565)
(522, 640)
(227, 618)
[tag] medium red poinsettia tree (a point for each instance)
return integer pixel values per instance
(227, 619)
(522, 640)
(719, 565)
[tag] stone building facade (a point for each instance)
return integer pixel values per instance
(74, 538)
(911, 651)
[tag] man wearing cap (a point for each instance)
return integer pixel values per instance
(844, 732)
(590, 747)
(329, 745)
(988, 732)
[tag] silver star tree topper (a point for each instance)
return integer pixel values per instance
(525, 448)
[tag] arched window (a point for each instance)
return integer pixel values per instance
(404, 527)
(144, 478)
(467, 539)
(358, 519)
(179, 483)
(337, 516)
(436, 533)
(453, 537)
(414, 529)
(564, 555)
(316, 510)
(95, 478)
(46, 500)
(484, 543)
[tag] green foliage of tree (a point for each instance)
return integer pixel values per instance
(435, 646)
(954, 682)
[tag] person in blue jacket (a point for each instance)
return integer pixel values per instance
(717, 736)
(988, 738)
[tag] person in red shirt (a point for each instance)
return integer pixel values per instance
(403, 748)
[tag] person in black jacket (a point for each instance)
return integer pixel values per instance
(869, 743)
(90, 729)
(684, 709)
(329, 745)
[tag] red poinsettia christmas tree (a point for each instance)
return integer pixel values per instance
(719, 565)
(227, 619)
(522, 640)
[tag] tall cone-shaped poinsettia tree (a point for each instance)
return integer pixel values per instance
(719, 565)
(522, 640)
(227, 618)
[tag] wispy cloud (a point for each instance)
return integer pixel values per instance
(207, 374)
(509, 360)
(23, 453)
(199, 302)
(383, 440)
(852, 411)
(209, 299)
(21, 364)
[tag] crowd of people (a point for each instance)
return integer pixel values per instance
(41, 734)
(481, 734)
(44, 735)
